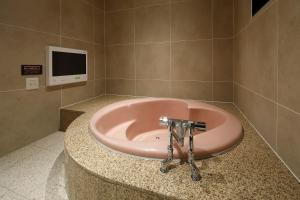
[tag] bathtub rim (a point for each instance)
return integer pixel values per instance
(190, 104)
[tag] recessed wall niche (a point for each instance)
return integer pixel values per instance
(257, 5)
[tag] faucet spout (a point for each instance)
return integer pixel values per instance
(178, 129)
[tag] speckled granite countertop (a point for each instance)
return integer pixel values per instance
(249, 171)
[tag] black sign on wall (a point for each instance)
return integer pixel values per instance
(31, 69)
(257, 5)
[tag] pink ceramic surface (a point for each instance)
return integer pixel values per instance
(132, 127)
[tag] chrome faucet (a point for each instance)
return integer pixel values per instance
(177, 129)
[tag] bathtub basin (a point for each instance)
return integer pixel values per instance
(132, 127)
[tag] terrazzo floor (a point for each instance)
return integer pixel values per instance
(34, 172)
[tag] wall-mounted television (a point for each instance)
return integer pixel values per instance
(65, 65)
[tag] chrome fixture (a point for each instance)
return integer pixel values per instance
(177, 129)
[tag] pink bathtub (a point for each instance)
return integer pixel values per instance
(132, 127)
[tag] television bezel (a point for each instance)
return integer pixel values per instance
(67, 79)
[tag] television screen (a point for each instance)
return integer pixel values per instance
(64, 63)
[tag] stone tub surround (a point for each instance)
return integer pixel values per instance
(250, 171)
(67, 117)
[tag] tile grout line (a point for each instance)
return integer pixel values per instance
(60, 44)
(277, 74)
(134, 49)
(166, 42)
(267, 99)
(94, 47)
(165, 80)
(29, 29)
(43, 32)
(138, 7)
(148, 6)
(256, 93)
(104, 48)
(212, 50)
(163, 42)
(234, 50)
(79, 40)
(82, 101)
(171, 49)
(17, 90)
(277, 84)
(115, 78)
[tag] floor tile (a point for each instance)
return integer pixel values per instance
(28, 174)
(12, 158)
(35, 172)
(53, 142)
(6, 194)
(54, 187)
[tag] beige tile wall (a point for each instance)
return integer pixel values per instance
(267, 74)
(170, 48)
(26, 28)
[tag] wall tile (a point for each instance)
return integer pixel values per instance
(120, 86)
(69, 43)
(289, 138)
(120, 27)
(27, 116)
(261, 112)
(31, 27)
(14, 51)
(191, 20)
(120, 61)
(77, 20)
(99, 62)
(223, 91)
(256, 59)
(152, 24)
(90, 2)
(99, 4)
(243, 13)
(223, 60)
(99, 26)
(192, 60)
(289, 59)
(256, 68)
(99, 87)
(77, 92)
(155, 88)
(153, 61)
(111, 5)
(35, 14)
(262, 40)
(235, 58)
(223, 18)
(191, 90)
(242, 59)
(149, 2)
